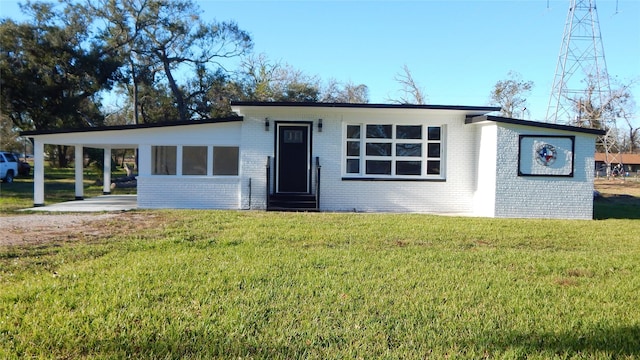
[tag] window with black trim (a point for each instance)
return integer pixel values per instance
(393, 151)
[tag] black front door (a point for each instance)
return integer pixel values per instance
(293, 158)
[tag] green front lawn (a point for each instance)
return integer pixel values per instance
(229, 284)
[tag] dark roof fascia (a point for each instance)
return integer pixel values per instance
(365, 106)
(133, 127)
(476, 119)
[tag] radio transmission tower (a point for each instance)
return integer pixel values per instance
(581, 93)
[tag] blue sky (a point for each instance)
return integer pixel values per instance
(456, 50)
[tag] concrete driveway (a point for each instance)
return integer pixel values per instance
(96, 204)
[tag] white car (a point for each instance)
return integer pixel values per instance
(8, 166)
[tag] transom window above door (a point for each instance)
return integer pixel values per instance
(393, 151)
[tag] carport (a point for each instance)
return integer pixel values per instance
(106, 138)
(221, 132)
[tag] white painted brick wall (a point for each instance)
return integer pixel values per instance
(188, 192)
(256, 145)
(484, 198)
(480, 167)
(451, 196)
(543, 197)
(155, 192)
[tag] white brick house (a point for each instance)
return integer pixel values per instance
(351, 157)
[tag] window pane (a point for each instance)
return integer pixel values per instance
(378, 167)
(408, 149)
(225, 160)
(353, 131)
(434, 133)
(408, 168)
(293, 136)
(353, 166)
(379, 131)
(353, 148)
(409, 132)
(194, 160)
(163, 159)
(433, 167)
(433, 150)
(379, 149)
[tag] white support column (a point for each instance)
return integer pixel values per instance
(79, 168)
(106, 187)
(38, 173)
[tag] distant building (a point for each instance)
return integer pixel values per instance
(626, 164)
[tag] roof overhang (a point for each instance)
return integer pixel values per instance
(470, 119)
(113, 136)
(241, 107)
(131, 127)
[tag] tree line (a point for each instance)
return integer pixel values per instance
(160, 59)
(64, 65)
(160, 56)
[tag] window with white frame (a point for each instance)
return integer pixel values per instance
(195, 160)
(393, 151)
(163, 160)
(226, 160)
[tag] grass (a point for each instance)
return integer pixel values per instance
(225, 284)
(619, 200)
(617, 207)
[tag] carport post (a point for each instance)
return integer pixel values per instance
(38, 173)
(106, 185)
(79, 168)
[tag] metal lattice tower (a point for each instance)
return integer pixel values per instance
(581, 93)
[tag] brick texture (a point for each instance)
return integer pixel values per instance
(480, 169)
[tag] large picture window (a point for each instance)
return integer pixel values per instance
(393, 151)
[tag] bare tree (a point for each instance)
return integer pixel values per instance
(593, 107)
(630, 141)
(411, 92)
(260, 77)
(266, 80)
(351, 93)
(599, 109)
(510, 94)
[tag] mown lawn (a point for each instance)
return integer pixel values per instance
(225, 284)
